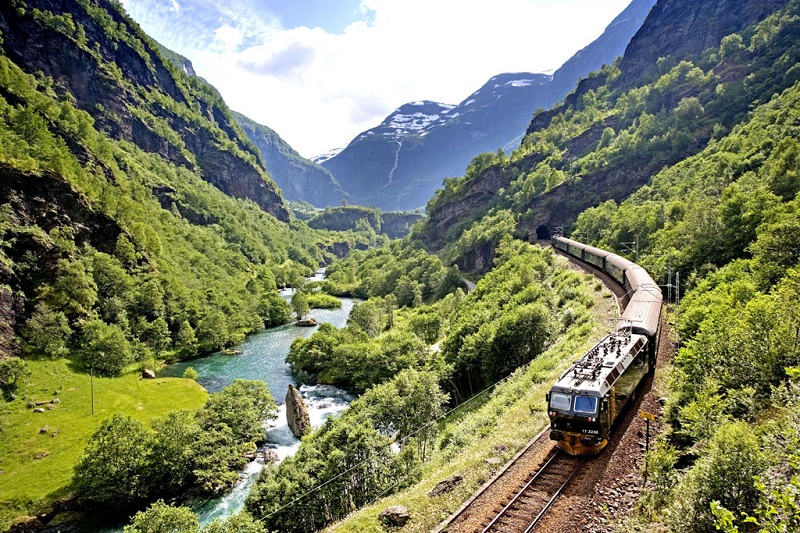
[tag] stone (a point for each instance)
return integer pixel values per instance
(39, 410)
(41, 455)
(297, 413)
(306, 322)
(394, 516)
(446, 485)
(500, 449)
(270, 456)
(493, 461)
(148, 374)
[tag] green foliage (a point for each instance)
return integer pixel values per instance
(300, 304)
(402, 268)
(190, 373)
(348, 461)
(114, 468)
(160, 517)
(104, 348)
(243, 406)
(727, 474)
(317, 300)
(12, 371)
(510, 317)
(126, 463)
(239, 523)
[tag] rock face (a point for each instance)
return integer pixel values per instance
(297, 413)
(298, 178)
(203, 134)
(394, 516)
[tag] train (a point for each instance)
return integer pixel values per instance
(588, 398)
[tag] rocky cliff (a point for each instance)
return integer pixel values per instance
(133, 93)
(298, 178)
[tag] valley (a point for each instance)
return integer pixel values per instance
(145, 225)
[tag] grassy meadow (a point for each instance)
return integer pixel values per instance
(58, 435)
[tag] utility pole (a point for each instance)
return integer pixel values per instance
(91, 381)
(632, 246)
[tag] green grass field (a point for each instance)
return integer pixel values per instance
(58, 435)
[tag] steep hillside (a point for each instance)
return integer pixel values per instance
(298, 178)
(607, 139)
(393, 224)
(399, 164)
(136, 219)
(114, 72)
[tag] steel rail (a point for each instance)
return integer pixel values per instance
(528, 485)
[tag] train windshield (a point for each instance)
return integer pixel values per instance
(585, 404)
(560, 401)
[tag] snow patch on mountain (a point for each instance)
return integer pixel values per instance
(318, 159)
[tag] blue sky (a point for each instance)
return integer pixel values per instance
(319, 72)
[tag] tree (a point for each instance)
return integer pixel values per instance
(114, 469)
(163, 518)
(238, 523)
(173, 451)
(75, 290)
(367, 316)
(46, 332)
(12, 370)
(300, 304)
(104, 348)
(243, 406)
(212, 331)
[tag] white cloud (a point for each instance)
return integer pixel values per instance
(227, 39)
(319, 90)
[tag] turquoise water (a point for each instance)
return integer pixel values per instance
(263, 357)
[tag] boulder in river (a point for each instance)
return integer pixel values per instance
(307, 322)
(297, 413)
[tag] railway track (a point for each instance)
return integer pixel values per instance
(531, 503)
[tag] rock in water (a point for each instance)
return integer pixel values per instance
(297, 413)
(394, 516)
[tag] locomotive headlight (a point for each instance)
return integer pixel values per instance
(552, 413)
(590, 419)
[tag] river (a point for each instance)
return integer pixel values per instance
(263, 357)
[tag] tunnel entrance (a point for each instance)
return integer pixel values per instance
(543, 233)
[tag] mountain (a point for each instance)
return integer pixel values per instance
(118, 83)
(128, 189)
(401, 162)
(298, 178)
(664, 101)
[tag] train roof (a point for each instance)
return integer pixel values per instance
(620, 262)
(598, 369)
(643, 311)
(638, 277)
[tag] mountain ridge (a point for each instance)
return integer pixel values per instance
(376, 169)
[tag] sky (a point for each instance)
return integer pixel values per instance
(319, 72)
